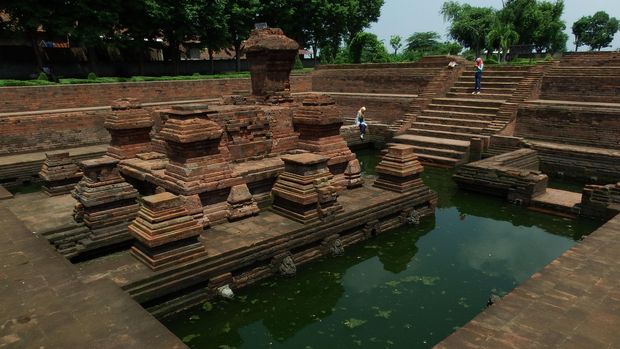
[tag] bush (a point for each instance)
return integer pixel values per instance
(196, 74)
(92, 76)
(42, 76)
(298, 65)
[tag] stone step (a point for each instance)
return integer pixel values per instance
(443, 134)
(464, 109)
(486, 84)
(454, 121)
(484, 94)
(468, 101)
(439, 161)
(490, 72)
(433, 142)
(469, 89)
(440, 152)
(511, 79)
(457, 115)
(447, 128)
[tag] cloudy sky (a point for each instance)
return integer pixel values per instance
(404, 17)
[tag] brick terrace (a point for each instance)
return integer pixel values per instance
(43, 304)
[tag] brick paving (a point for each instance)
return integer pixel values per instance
(574, 302)
(44, 305)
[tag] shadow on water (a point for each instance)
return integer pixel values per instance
(409, 288)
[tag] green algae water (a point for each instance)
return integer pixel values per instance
(409, 288)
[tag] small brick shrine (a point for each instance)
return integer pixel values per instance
(165, 232)
(305, 191)
(318, 122)
(129, 126)
(106, 202)
(59, 174)
(399, 170)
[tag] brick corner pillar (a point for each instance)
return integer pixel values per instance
(129, 126)
(59, 173)
(106, 202)
(399, 170)
(318, 122)
(165, 232)
(305, 191)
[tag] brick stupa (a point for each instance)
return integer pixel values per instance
(399, 170)
(165, 232)
(271, 56)
(59, 174)
(305, 192)
(129, 126)
(196, 164)
(318, 122)
(106, 203)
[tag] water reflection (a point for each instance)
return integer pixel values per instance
(408, 288)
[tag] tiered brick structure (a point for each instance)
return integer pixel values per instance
(192, 140)
(305, 192)
(399, 170)
(59, 174)
(166, 234)
(514, 175)
(271, 56)
(106, 203)
(129, 126)
(318, 123)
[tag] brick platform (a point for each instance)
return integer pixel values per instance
(45, 305)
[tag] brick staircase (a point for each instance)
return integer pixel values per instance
(441, 133)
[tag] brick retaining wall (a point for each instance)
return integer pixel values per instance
(579, 124)
(32, 98)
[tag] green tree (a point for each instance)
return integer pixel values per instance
(28, 16)
(549, 35)
(423, 42)
(359, 15)
(468, 25)
(96, 21)
(580, 28)
(537, 23)
(366, 48)
(501, 37)
(242, 15)
(596, 31)
(396, 43)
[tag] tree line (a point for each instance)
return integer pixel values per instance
(533, 23)
(137, 25)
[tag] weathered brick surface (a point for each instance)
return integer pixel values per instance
(584, 77)
(372, 79)
(579, 124)
(32, 98)
(48, 131)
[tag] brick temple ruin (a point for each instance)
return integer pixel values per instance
(156, 188)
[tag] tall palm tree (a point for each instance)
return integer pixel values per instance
(501, 37)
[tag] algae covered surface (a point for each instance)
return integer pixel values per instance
(409, 288)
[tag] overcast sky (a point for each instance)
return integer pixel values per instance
(405, 17)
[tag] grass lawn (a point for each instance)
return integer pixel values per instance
(112, 79)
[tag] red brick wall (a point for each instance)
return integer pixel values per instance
(32, 98)
(380, 109)
(47, 131)
(579, 125)
(362, 78)
(604, 88)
